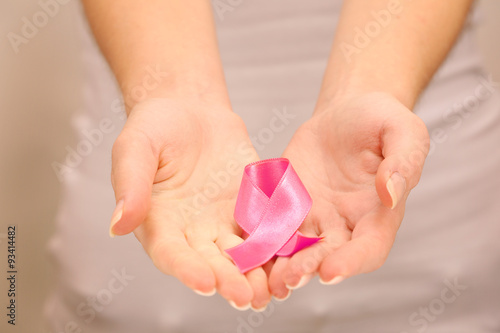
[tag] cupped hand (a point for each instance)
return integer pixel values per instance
(358, 160)
(176, 172)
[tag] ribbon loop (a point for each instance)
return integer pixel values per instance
(272, 203)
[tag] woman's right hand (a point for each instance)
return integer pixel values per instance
(176, 172)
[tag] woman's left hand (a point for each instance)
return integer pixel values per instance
(358, 160)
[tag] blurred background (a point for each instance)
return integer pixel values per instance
(39, 91)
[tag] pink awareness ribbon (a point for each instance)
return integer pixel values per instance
(272, 204)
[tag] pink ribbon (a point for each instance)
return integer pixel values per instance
(272, 204)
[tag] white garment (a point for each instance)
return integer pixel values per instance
(274, 55)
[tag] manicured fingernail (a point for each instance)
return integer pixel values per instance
(284, 298)
(303, 281)
(396, 186)
(117, 215)
(240, 308)
(202, 293)
(262, 309)
(333, 281)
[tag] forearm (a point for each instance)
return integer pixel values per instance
(175, 38)
(396, 54)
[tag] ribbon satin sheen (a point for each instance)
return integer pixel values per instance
(272, 204)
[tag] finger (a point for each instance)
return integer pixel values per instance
(231, 284)
(257, 278)
(405, 144)
(268, 266)
(371, 242)
(172, 255)
(285, 277)
(306, 262)
(134, 165)
(259, 283)
(276, 283)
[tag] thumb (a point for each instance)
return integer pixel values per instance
(405, 145)
(134, 166)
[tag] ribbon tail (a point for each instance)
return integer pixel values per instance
(297, 243)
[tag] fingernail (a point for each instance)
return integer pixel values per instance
(396, 186)
(202, 293)
(117, 215)
(333, 281)
(262, 309)
(284, 298)
(240, 308)
(303, 281)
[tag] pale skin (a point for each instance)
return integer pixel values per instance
(359, 155)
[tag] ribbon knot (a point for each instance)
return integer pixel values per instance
(272, 203)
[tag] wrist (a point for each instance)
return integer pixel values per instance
(154, 83)
(358, 79)
(347, 98)
(332, 97)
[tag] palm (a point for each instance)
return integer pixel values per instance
(340, 180)
(337, 155)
